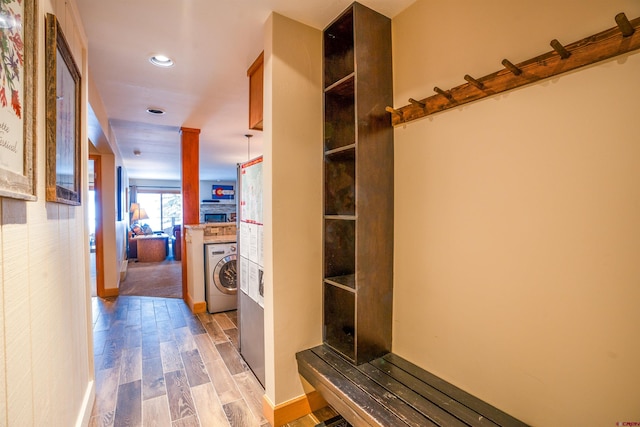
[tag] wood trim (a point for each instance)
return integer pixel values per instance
(256, 64)
(598, 47)
(195, 307)
(293, 409)
(97, 188)
(111, 292)
(199, 307)
(187, 299)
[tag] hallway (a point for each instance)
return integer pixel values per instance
(158, 364)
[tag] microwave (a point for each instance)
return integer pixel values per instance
(215, 217)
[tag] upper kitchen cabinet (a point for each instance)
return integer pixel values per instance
(256, 89)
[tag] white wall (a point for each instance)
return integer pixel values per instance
(46, 361)
(206, 187)
(292, 200)
(516, 217)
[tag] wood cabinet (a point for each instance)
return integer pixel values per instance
(358, 184)
(256, 90)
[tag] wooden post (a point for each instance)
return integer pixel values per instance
(509, 66)
(190, 162)
(625, 26)
(562, 51)
(443, 93)
(473, 81)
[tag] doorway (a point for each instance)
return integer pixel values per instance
(159, 213)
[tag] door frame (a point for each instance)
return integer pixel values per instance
(97, 187)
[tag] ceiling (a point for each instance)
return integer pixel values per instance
(213, 43)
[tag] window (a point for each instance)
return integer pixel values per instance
(163, 208)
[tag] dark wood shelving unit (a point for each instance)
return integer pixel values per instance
(358, 185)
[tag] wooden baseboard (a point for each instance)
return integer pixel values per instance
(195, 307)
(286, 412)
(199, 307)
(111, 292)
(123, 269)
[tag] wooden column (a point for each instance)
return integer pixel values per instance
(190, 162)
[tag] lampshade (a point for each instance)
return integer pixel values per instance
(137, 213)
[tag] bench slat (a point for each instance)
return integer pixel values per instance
(424, 406)
(488, 411)
(345, 393)
(389, 400)
(452, 406)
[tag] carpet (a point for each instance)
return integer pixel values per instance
(153, 279)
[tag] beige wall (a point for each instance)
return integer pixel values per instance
(46, 363)
(516, 218)
(114, 233)
(292, 200)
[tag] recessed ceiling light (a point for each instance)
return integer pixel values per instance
(155, 111)
(161, 61)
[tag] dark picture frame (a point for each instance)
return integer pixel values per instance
(18, 88)
(120, 195)
(63, 179)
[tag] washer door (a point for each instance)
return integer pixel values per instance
(225, 275)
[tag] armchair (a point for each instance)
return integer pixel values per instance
(132, 253)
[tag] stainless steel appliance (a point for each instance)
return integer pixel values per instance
(251, 267)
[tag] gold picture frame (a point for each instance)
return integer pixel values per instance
(18, 83)
(62, 79)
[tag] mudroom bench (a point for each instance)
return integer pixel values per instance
(390, 391)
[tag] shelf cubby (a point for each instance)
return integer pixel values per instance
(340, 183)
(339, 319)
(339, 117)
(338, 49)
(339, 247)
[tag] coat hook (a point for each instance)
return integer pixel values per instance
(473, 81)
(418, 103)
(562, 51)
(393, 111)
(443, 93)
(625, 26)
(508, 65)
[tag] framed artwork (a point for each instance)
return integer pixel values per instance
(62, 79)
(18, 81)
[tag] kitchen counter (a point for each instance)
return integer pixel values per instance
(215, 232)
(208, 224)
(228, 238)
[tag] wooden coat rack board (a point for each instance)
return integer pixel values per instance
(607, 44)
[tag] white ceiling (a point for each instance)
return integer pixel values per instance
(213, 43)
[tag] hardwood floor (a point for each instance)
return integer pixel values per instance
(157, 364)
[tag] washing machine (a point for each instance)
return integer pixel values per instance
(221, 277)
